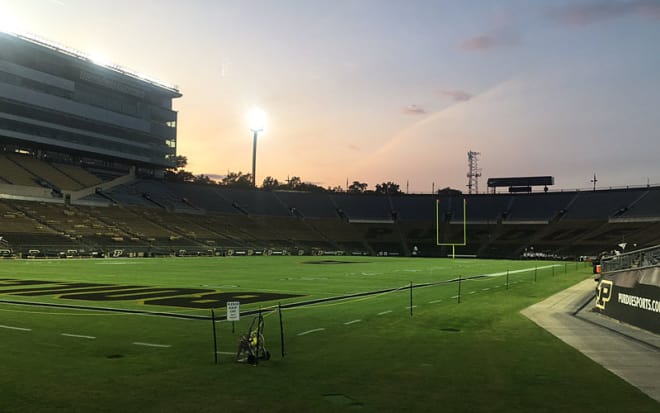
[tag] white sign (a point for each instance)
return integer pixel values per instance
(233, 310)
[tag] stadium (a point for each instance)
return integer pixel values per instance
(115, 282)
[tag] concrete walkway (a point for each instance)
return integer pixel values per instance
(630, 353)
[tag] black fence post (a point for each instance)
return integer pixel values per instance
(215, 341)
(459, 289)
(411, 300)
(279, 309)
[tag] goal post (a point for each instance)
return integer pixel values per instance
(437, 229)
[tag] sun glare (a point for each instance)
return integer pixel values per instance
(256, 119)
(9, 24)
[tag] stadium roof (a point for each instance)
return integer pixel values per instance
(90, 59)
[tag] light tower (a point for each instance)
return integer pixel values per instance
(257, 122)
(473, 172)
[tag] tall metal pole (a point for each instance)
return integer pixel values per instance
(254, 158)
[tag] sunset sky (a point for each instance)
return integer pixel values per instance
(384, 90)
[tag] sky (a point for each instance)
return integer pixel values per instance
(390, 90)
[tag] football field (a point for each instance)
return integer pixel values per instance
(344, 333)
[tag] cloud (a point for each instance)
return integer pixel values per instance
(596, 11)
(489, 41)
(413, 110)
(457, 95)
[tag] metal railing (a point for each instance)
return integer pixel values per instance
(647, 257)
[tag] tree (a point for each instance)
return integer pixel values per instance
(270, 183)
(309, 187)
(357, 187)
(203, 179)
(337, 188)
(293, 183)
(237, 180)
(179, 176)
(180, 161)
(388, 188)
(177, 173)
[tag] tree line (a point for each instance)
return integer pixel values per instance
(295, 183)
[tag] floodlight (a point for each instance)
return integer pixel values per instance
(256, 119)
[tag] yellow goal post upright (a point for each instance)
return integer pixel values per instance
(437, 229)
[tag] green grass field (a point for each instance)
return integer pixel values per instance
(366, 353)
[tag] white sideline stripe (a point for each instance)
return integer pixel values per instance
(485, 289)
(409, 307)
(15, 328)
(229, 353)
(310, 331)
(348, 323)
(137, 343)
(522, 270)
(385, 312)
(78, 336)
(472, 292)
(454, 296)
(434, 301)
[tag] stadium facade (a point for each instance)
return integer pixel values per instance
(58, 102)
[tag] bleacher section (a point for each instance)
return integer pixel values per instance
(363, 208)
(306, 204)
(536, 209)
(156, 217)
(78, 174)
(600, 204)
(25, 170)
(645, 209)
(46, 172)
(15, 174)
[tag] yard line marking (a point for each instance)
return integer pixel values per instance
(138, 343)
(454, 296)
(409, 307)
(434, 301)
(472, 292)
(485, 289)
(385, 312)
(15, 328)
(310, 331)
(497, 286)
(229, 353)
(78, 336)
(348, 323)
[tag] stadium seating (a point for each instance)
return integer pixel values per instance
(646, 207)
(156, 217)
(15, 174)
(601, 204)
(46, 172)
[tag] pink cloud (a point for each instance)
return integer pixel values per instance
(413, 110)
(589, 13)
(489, 41)
(457, 95)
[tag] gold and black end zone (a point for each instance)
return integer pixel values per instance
(200, 298)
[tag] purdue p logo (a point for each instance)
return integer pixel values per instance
(604, 293)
